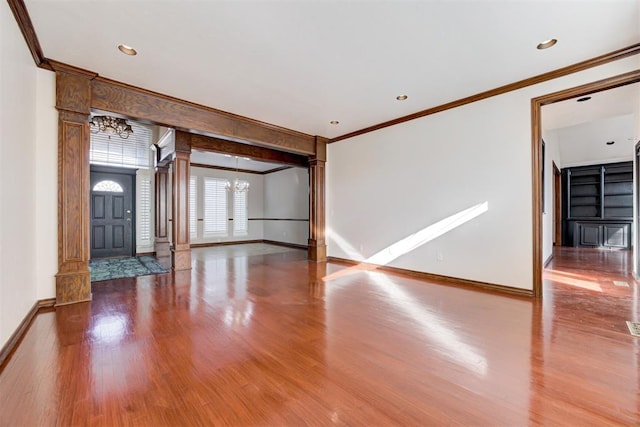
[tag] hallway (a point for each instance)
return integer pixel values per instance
(273, 339)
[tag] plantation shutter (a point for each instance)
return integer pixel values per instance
(193, 217)
(240, 221)
(112, 150)
(215, 207)
(144, 209)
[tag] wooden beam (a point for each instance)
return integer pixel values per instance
(120, 98)
(255, 152)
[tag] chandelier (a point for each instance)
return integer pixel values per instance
(110, 125)
(237, 186)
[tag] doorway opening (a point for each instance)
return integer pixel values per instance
(112, 219)
(595, 206)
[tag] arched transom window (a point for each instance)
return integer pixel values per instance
(108, 185)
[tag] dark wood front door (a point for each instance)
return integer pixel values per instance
(112, 213)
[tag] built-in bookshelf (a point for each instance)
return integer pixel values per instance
(598, 205)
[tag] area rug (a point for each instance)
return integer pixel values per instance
(117, 268)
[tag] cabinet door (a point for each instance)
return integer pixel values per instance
(589, 234)
(615, 235)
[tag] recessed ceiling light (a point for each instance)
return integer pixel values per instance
(584, 98)
(334, 122)
(127, 50)
(610, 142)
(401, 97)
(547, 44)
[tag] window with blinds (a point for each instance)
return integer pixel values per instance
(133, 152)
(144, 209)
(215, 207)
(193, 217)
(240, 220)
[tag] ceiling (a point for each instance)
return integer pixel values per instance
(620, 101)
(302, 64)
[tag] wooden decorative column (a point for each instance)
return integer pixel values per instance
(73, 102)
(181, 249)
(317, 246)
(162, 213)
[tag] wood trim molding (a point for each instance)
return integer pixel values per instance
(25, 24)
(181, 249)
(21, 330)
(243, 242)
(278, 219)
(286, 244)
(223, 168)
(317, 244)
(560, 72)
(121, 98)
(459, 283)
(536, 156)
(282, 168)
(212, 244)
(223, 146)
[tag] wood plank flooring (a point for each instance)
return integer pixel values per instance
(262, 339)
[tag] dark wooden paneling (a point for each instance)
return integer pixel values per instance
(28, 32)
(98, 206)
(255, 152)
(560, 72)
(120, 98)
(117, 236)
(98, 240)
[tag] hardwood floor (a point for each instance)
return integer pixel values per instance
(262, 339)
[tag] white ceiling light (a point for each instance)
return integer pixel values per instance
(401, 97)
(547, 44)
(127, 50)
(334, 122)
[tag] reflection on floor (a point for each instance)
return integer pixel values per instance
(269, 339)
(118, 268)
(242, 250)
(597, 270)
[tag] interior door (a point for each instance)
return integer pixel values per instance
(112, 215)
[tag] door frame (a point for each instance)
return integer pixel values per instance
(536, 156)
(119, 171)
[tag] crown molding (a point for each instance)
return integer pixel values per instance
(25, 24)
(560, 72)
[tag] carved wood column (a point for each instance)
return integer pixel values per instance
(162, 212)
(73, 102)
(181, 249)
(317, 249)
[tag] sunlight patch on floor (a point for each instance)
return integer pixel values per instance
(560, 277)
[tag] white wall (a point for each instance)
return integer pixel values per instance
(286, 198)
(255, 204)
(584, 144)
(552, 155)
(18, 239)
(389, 184)
(46, 190)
